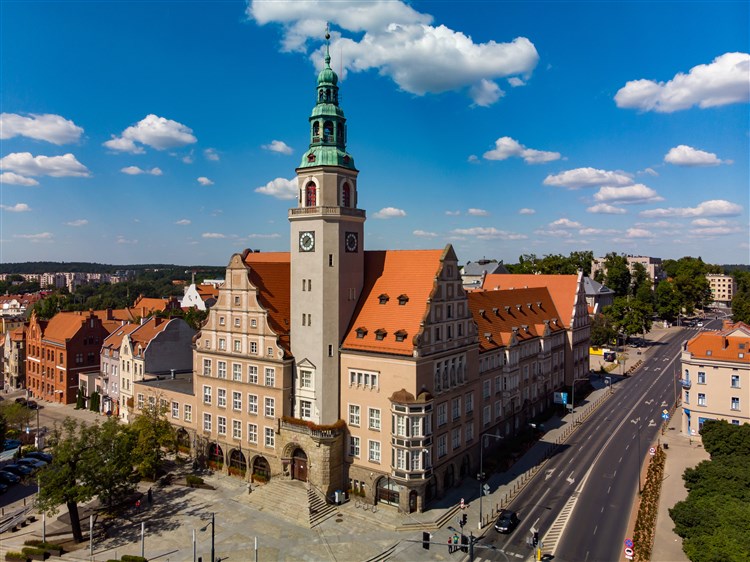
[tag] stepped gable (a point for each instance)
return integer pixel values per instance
(562, 288)
(270, 274)
(389, 275)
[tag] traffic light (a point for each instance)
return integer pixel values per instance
(464, 519)
(425, 540)
(464, 543)
(535, 540)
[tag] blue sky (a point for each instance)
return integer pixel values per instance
(169, 132)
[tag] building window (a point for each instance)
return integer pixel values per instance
(188, 409)
(252, 403)
(469, 432)
(400, 426)
(486, 388)
(305, 409)
(252, 374)
(221, 321)
(254, 348)
(470, 403)
(207, 344)
(206, 394)
(735, 381)
(735, 403)
(222, 369)
(222, 344)
(221, 397)
(373, 451)
(236, 322)
(354, 415)
(270, 376)
(237, 345)
(269, 352)
(236, 400)
(140, 401)
(221, 423)
(270, 407)
(175, 410)
(252, 433)
(353, 446)
(687, 397)
(236, 300)
(416, 426)
(236, 372)
(236, 429)
(456, 437)
(363, 379)
(206, 367)
(456, 407)
(206, 421)
(253, 323)
(442, 445)
(270, 440)
(701, 378)
(486, 415)
(498, 409)
(305, 379)
(442, 414)
(701, 399)
(374, 419)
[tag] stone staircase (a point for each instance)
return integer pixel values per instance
(293, 501)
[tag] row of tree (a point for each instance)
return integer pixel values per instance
(714, 520)
(741, 300)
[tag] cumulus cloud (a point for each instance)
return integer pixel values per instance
(157, 132)
(278, 146)
(565, 223)
(605, 209)
(389, 213)
(280, 188)
(25, 164)
(17, 208)
(35, 237)
(597, 231)
(452, 213)
(203, 180)
(721, 82)
(183, 222)
(515, 81)
(264, 236)
(401, 43)
(46, 127)
(477, 212)
(473, 159)
(708, 222)
(135, 170)
(122, 240)
(213, 235)
(526, 211)
(424, 234)
(631, 194)
(639, 233)
(684, 155)
(712, 208)
(506, 147)
(211, 154)
(14, 179)
(77, 222)
(554, 232)
(488, 233)
(588, 177)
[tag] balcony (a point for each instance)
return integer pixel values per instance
(686, 384)
(327, 211)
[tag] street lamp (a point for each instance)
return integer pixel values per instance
(637, 422)
(481, 472)
(213, 533)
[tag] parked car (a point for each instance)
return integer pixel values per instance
(11, 444)
(3, 488)
(506, 521)
(42, 456)
(32, 405)
(19, 469)
(8, 477)
(700, 324)
(21, 400)
(35, 464)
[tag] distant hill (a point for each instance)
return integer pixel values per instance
(735, 267)
(85, 267)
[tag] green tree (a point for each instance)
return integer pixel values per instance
(114, 479)
(16, 416)
(741, 299)
(618, 274)
(153, 434)
(667, 301)
(639, 279)
(629, 316)
(602, 331)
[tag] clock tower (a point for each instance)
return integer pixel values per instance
(327, 255)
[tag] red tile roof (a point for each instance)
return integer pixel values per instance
(270, 273)
(726, 344)
(114, 339)
(64, 325)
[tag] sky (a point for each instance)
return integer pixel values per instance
(169, 132)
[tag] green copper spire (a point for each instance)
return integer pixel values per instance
(327, 122)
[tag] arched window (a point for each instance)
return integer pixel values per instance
(311, 199)
(316, 128)
(346, 196)
(327, 131)
(328, 94)
(340, 133)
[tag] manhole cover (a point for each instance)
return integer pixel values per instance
(339, 520)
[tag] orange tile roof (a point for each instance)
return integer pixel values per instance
(272, 279)
(725, 345)
(499, 313)
(393, 273)
(18, 334)
(150, 304)
(562, 288)
(207, 291)
(114, 339)
(147, 331)
(64, 325)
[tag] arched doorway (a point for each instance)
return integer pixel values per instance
(215, 457)
(299, 465)
(183, 441)
(237, 463)
(386, 491)
(450, 477)
(261, 470)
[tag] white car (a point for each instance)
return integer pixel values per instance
(699, 324)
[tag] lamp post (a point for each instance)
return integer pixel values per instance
(481, 472)
(213, 533)
(637, 422)
(573, 402)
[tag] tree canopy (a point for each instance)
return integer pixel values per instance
(741, 300)
(553, 264)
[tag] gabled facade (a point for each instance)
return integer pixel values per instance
(109, 378)
(14, 358)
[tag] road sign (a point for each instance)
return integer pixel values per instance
(652, 451)
(629, 543)
(463, 505)
(665, 416)
(629, 553)
(486, 489)
(665, 412)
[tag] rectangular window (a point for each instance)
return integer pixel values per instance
(735, 403)
(401, 459)
(236, 400)
(175, 410)
(373, 451)
(206, 367)
(236, 322)
(701, 378)
(236, 429)
(236, 372)
(221, 321)
(416, 426)
(735, 381)
(354, 415)
(253, 323)
(469, 432)
(236, 300)
(687, 397)
(270, 376)
(252, 404)
(140, 401)
(456, 408)
(442, 414)
(470, 403)
(701, 399)
(486, 415)
(188, 409)
(221, 423)
(442, 445)
(353, 446)
(374, 419)
(486, 388)
(222, 344)
(305, 379)
(237, 344)
(270, 407)
(206, 421)
(252, 433)
(456, 437)
(498, 409)
(400, 426)
(305, 409)
(252, 374)
(221, 397)
(254, 348)
(270, 437)
(221, 367)
(206, 394)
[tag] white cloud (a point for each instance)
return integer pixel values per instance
(708, 222)
(506, 147)
(280, 188)
(723, 81)
(203, 180)
(649, 171)
(713, 208)
(77, 222)
(211, 154)
(554, 232)
(588, 177)
(213, 235)
(684, 155)
(424, 234)
(565, 223)
(17, 208)
(597, 231)
(389, 213)
(263, 236)
(56, 166)
(399, 42)
(452, 213)
(35, 237)
(157, 132)
(473, 159)
(631, 194)
(714, 231)
(183, 222)
(639, 233)
(122, 240)
(46, 127)
(15, 179)
(477, 212)
(605, 209)
(526, 211)
(488, 233)
(278, 146)
(516, 82)
(135, 170)
(188, 158)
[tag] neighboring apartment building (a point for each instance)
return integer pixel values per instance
(597, 295)
(14, 358)
(109, 376)
(473, 273)
(716, 377)
(652, 265)
(723, 288)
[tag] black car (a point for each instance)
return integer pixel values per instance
(32, 405)
(18, 469)
(3, 488)
(21, 400)
(506, 521)
(8, 477)
(46, 457)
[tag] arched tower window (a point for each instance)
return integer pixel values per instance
(311, 195)
(340, 133)
(316, 128)
(328, 94)
(346, 196)
(327, 131)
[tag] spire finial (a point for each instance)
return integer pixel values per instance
(328, 40)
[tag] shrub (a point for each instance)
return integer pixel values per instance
(130, 558)
(193, 481)
(15, 556)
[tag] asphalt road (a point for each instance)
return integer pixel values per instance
(581, 502)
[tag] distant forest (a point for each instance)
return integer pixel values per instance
(85, 267)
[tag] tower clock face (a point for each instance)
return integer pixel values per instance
(351, 242)
(307, 241)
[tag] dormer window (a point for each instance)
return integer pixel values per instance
(507, 309)
(380, 334)
(311, 157)
(400, 335)
(383, 299)
(361, 333)
(402, 300)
